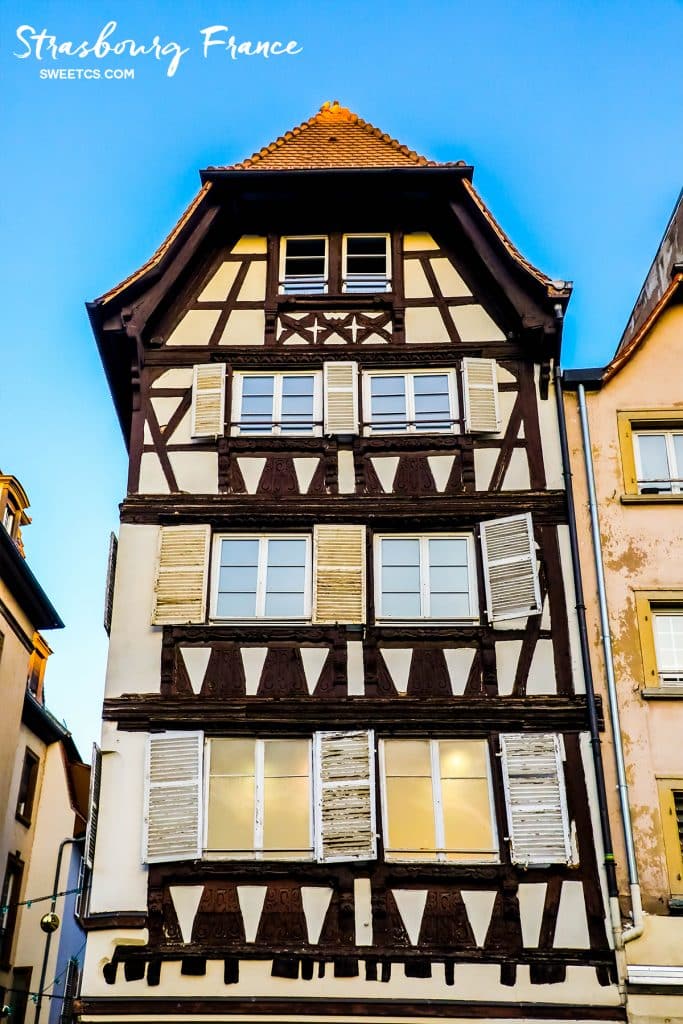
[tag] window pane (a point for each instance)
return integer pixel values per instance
(237, 606)
(286, 579)
(448, 579)
(407, 757)
(231, 814)
(361, 246)
(463, 759)
(653, 459)
(287, 552)
(393, 385)
(448, 551)
(297, 402)
(258, 386)
(301, 247)
(450, 606)
(678, 451)
(402, 551)
(668, 631)
(467, 815)
(239, 552)
(401, 606)
(237, 578)
(401, 579)
(240, 579)
(305, 267)
(286, 816)
(232, 757)
(286, 758)
(285, 606)
(410, 814)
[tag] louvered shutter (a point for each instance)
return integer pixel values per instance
(535, 798)
(480, 386)
(93, 806)
(510, 570)
(111, 577)
(173, 797)
(208, 400)
(345, 798)
(339, 574)
(180, 589)
(70, 990)
(341, 398)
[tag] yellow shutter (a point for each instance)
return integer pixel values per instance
(341, 398)
(208, 400)
(339, 574)
(481, 395)
(180, 589)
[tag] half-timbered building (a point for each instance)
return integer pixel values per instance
(349, 751)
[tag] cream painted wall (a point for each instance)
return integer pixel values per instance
(13, 674)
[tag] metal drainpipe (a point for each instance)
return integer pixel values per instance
(48, 937)
(593, 725)
(636, 929)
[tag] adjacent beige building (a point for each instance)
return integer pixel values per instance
(634, 411)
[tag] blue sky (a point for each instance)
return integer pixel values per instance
(570, 111)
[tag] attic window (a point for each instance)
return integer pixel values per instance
(304, 265)
(366, 263)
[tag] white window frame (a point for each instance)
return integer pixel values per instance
(439, 855)
(667, 676)
(675, 471)
(283, 280)
(261, 574)
(345, 271)
(425, 595)
(276, 430)
(257, 852)
(369, 430)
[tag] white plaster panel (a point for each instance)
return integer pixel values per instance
(415, 281)
(425, 326)
(305, 471)
(545, 614)
(152, 479)
(252, 661)
(570, 598)
(176, 377)
(416, 241)
(316, 901)
(484, 462)
(473, 323)
(186, 900)
(506, 402)
(441, 466)
(195, 472)
(251, 899)
(517, 474)
(449, 280)
(218, 288)
(100, 951)
(147, 434)
(507, 656)
(550, 435)
(244, 327)
(251, 470)
(541, 679)
(335, 339)
(504, 376)
(252, 245)
(479, 906)
(120, 878)
(134, 659)
(195, 328)
(313, 659)
(254, 286)
(411, 906)
(181, 434)
(164, 408)
(385, 467)
(196, 662)
(346, 472)
(398, 662)
(459, 663)
(362, 907)
(295, 341)
(531, 903)
(355, 668)
(571, 930)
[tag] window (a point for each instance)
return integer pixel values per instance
(668, 634)
(262, 577)
(27, 787)
(8, 519)
(9, 896)
(411, 402)
(259, 798)
(659, 461)
(303, 265)
(660, 625)
(425, 577)
(671, 808)
(280, 403)
(437, 801)
(366, 263)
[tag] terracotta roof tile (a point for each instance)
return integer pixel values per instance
(334, 137)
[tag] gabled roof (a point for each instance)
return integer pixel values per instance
(334, 137)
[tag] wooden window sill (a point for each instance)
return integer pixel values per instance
(652, 499)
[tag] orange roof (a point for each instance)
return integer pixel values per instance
(333, 138)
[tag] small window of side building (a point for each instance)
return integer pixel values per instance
(27, 787)
(660, 625)
(671, 809)
(651, 444)
(11, 887)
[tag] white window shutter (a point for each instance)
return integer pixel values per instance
(510, 570)
(345, 798)
(480, 386)
(93, 806)
(339, 573)
(182, 571)
(535, 798)
(173, 797)
(341, 398)
(208, 400)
